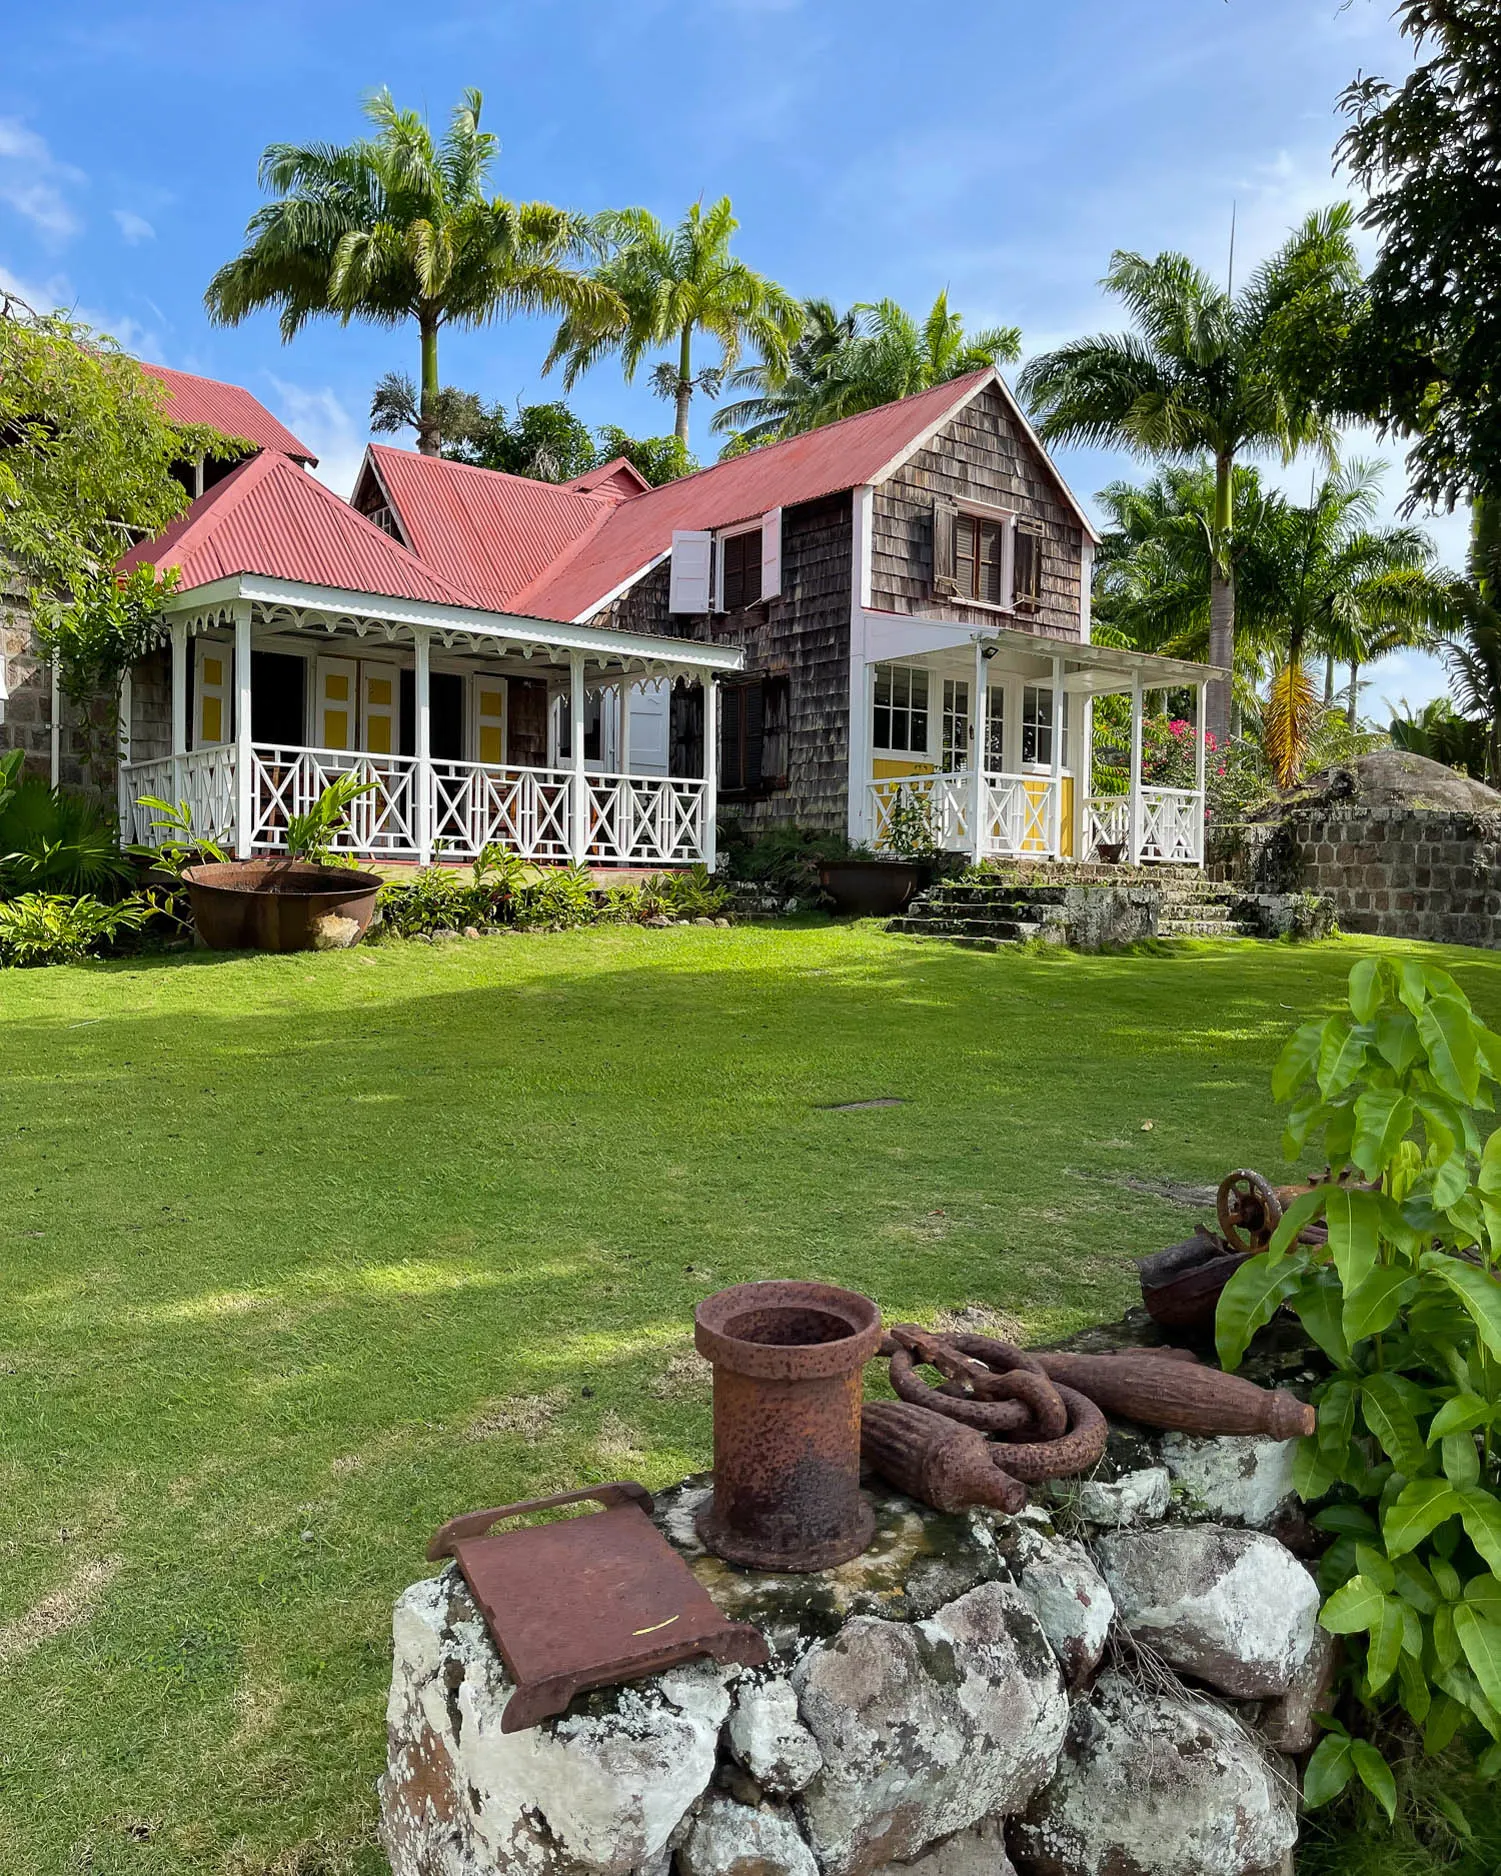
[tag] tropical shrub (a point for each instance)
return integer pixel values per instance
(178, 845)
(782, 860)
(1167, 749)
(311, 835)
(1405, 1301)
(435, 899)
(56, 928)
(51, 840)
(505, 890)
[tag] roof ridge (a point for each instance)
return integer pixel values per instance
(475, 468)
(607, 512)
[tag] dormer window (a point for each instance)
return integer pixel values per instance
(741, 567)
(979, 559)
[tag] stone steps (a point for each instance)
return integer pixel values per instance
(1043, 902)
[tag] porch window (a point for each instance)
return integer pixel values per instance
(1026, 570)
(955, 723)
(995, 728)
(741, 570)
(593, 742)
(1037, 726)
(901, 710)
(753, 736)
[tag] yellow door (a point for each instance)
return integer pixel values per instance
(213, 704)
(489, 719)
(378, 704)
(334, 726)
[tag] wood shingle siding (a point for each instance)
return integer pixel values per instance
(981, 455)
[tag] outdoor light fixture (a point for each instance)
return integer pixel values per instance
(987, 652)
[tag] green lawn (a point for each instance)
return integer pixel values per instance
(303, 1255)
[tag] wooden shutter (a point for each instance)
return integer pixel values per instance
(945, 527)
(688, 584)
(966, 553)
(771, 554)
(992, 538)
(1027, 574)
(215, 711)
(741, 737)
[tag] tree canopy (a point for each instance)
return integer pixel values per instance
(398, 227)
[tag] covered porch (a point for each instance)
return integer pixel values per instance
(561, 743)
(982, 743)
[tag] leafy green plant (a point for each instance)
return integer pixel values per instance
(52, 840)
(433, 900)
(783, 859)
(181, 845)
(311, 835)
(909, 826)
(1404, 1299)
(56, 928)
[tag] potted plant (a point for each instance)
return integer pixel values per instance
(310, 899)
(880, 885)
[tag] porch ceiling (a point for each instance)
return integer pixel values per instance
(1089, 670)
(286, 607)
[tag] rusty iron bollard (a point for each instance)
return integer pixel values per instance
(787, 1361)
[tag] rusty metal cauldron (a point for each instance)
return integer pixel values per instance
(787, 1363)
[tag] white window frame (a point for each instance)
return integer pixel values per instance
(757, 526)
(1008, 517)
(926, 753)
(1041, 765)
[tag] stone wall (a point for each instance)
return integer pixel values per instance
(28, 710)
(1391, 871)
(1107, 1682)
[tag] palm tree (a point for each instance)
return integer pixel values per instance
(785, 399)
(1335, 582)
(662, 287)
(396, 227)
(1471, 638)
(880, 354)
(1206, 371)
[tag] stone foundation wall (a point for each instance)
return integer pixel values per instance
(28, 710)
(1108, 1682)
(1394, 872)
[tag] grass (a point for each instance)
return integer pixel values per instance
(303, 1255)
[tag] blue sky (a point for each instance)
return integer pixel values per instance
(1000, 149)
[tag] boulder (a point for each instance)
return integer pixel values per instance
(1231, 1608)
(730, 1839)
(1237, 1480)
(926, 1728)
(977, 1852)
(1286, 1724)
(1073, 1604)
(1154, 1785)
(1134, 1498)
(593, 1793)
(768, 1738)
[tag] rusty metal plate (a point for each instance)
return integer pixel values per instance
(587, 1602)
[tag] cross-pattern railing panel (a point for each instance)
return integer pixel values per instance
(526, 810)
(203, 778)
(645, 820)
(1016, 811)
(1172, 825)
(1107, 826)
(287, 781)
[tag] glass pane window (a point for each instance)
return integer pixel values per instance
(901, 710)
(1037, 725)
(995, 728)
(955, 723)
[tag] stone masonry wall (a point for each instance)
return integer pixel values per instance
(1392, 872)
(28, 711)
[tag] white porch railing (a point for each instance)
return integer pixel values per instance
(638, 820)
(1171, 827)
(1017, 812)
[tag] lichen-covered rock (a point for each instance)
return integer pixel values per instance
(593, 1793)
(977, 1852)
(1150, 1785)
(1134, 1498)
(1237, 1480)
(768, 1738)
(926, 1728)
(1287, 1724)
(1231, 1608)
(1073, 1604)
(730, 1839)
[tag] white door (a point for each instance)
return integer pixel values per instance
(335, 721)
(379, 705)
(487, 709)
(212, 712)
(650, 705)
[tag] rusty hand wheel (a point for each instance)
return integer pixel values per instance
(1249, 1211)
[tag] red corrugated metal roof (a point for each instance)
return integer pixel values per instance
(268, 516)
(227, 407)
(489, 532)
(619, 477)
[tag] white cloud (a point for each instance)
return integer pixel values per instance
(319, 418)
(55, 293)
(133, 228)
(33, 181)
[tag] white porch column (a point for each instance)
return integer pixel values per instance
(244, 793)
(1083, 766)
(976, 753)
(711, 770)
(578, 842)
(423, 742)
(623, 741)
(123, 802)
(1055, 807)
(1134, 797)
(179, 705)
(1199, 763)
